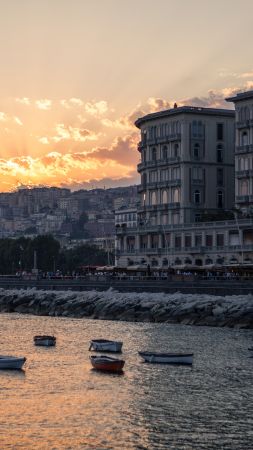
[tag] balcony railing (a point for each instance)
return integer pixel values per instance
(190, 251)
(200, 226)
(158, 163)
(239, 149)
(243, 124)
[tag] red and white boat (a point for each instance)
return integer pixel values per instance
(107, 364)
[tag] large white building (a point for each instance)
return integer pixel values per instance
(187, 193)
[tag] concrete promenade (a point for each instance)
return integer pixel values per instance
(211, 287)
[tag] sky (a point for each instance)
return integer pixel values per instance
(76, 74)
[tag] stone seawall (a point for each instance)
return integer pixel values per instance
(197, 309)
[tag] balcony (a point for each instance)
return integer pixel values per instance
(240, 149)
(243, 124)
(158, 163)
(188, 251)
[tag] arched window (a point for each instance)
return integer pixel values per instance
(154, 154)
(153, 198)
(198, 262)
(208, 261)
(188, 261)
(244, 187)
(165, 262)
(196, 151)
(165, 152)
(164, 197)
(197, 197)
(219, 153)
(154, 263)
(176, 195)
(245, 140)
(178, 262)
(220, 199)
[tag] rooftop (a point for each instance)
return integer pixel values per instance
(240, 96)
(185, 110)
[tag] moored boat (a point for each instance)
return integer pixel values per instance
(11, 362)
(107, 364)
(104, 345)
(45, 340)
(167, 358)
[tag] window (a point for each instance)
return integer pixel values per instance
(153, 198)
(164, 219)
(197, 129)
(220, 199)
(197, 173)
(176, 173)
(243, 187)
(220, 177)
(196, 151)
(164, 175)
(220, 240)
(165, 197)
(144, 179)
(198, 240)
(220, 128)
(176, 150)
(197, 197)
(177, 241)
(245, 140)
(153, 154)
(175, 218)
(209, 240)
(219, 153)
(165, 152)
(153, 176)
(176, 195)
(188, 241)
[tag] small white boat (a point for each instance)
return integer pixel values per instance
(167, 358)
(11, 362)
(104, 345)
(44, 340)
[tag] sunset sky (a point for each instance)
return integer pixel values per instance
(75, 74)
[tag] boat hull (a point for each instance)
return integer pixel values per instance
(106, 346)
(44, 341)
(106, 365)
(11, 362)
(167, 358)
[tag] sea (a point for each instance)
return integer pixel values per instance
(59, 402)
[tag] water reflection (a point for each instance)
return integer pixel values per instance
(60, 402)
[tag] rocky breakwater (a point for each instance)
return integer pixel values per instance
(231, 311)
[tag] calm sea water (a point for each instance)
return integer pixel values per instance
(59, 402)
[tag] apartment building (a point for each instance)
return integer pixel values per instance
(243, 150)
(187, 177)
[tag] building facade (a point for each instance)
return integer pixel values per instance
(243, 151)
(187, 194)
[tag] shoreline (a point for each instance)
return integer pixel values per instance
(234, 311)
